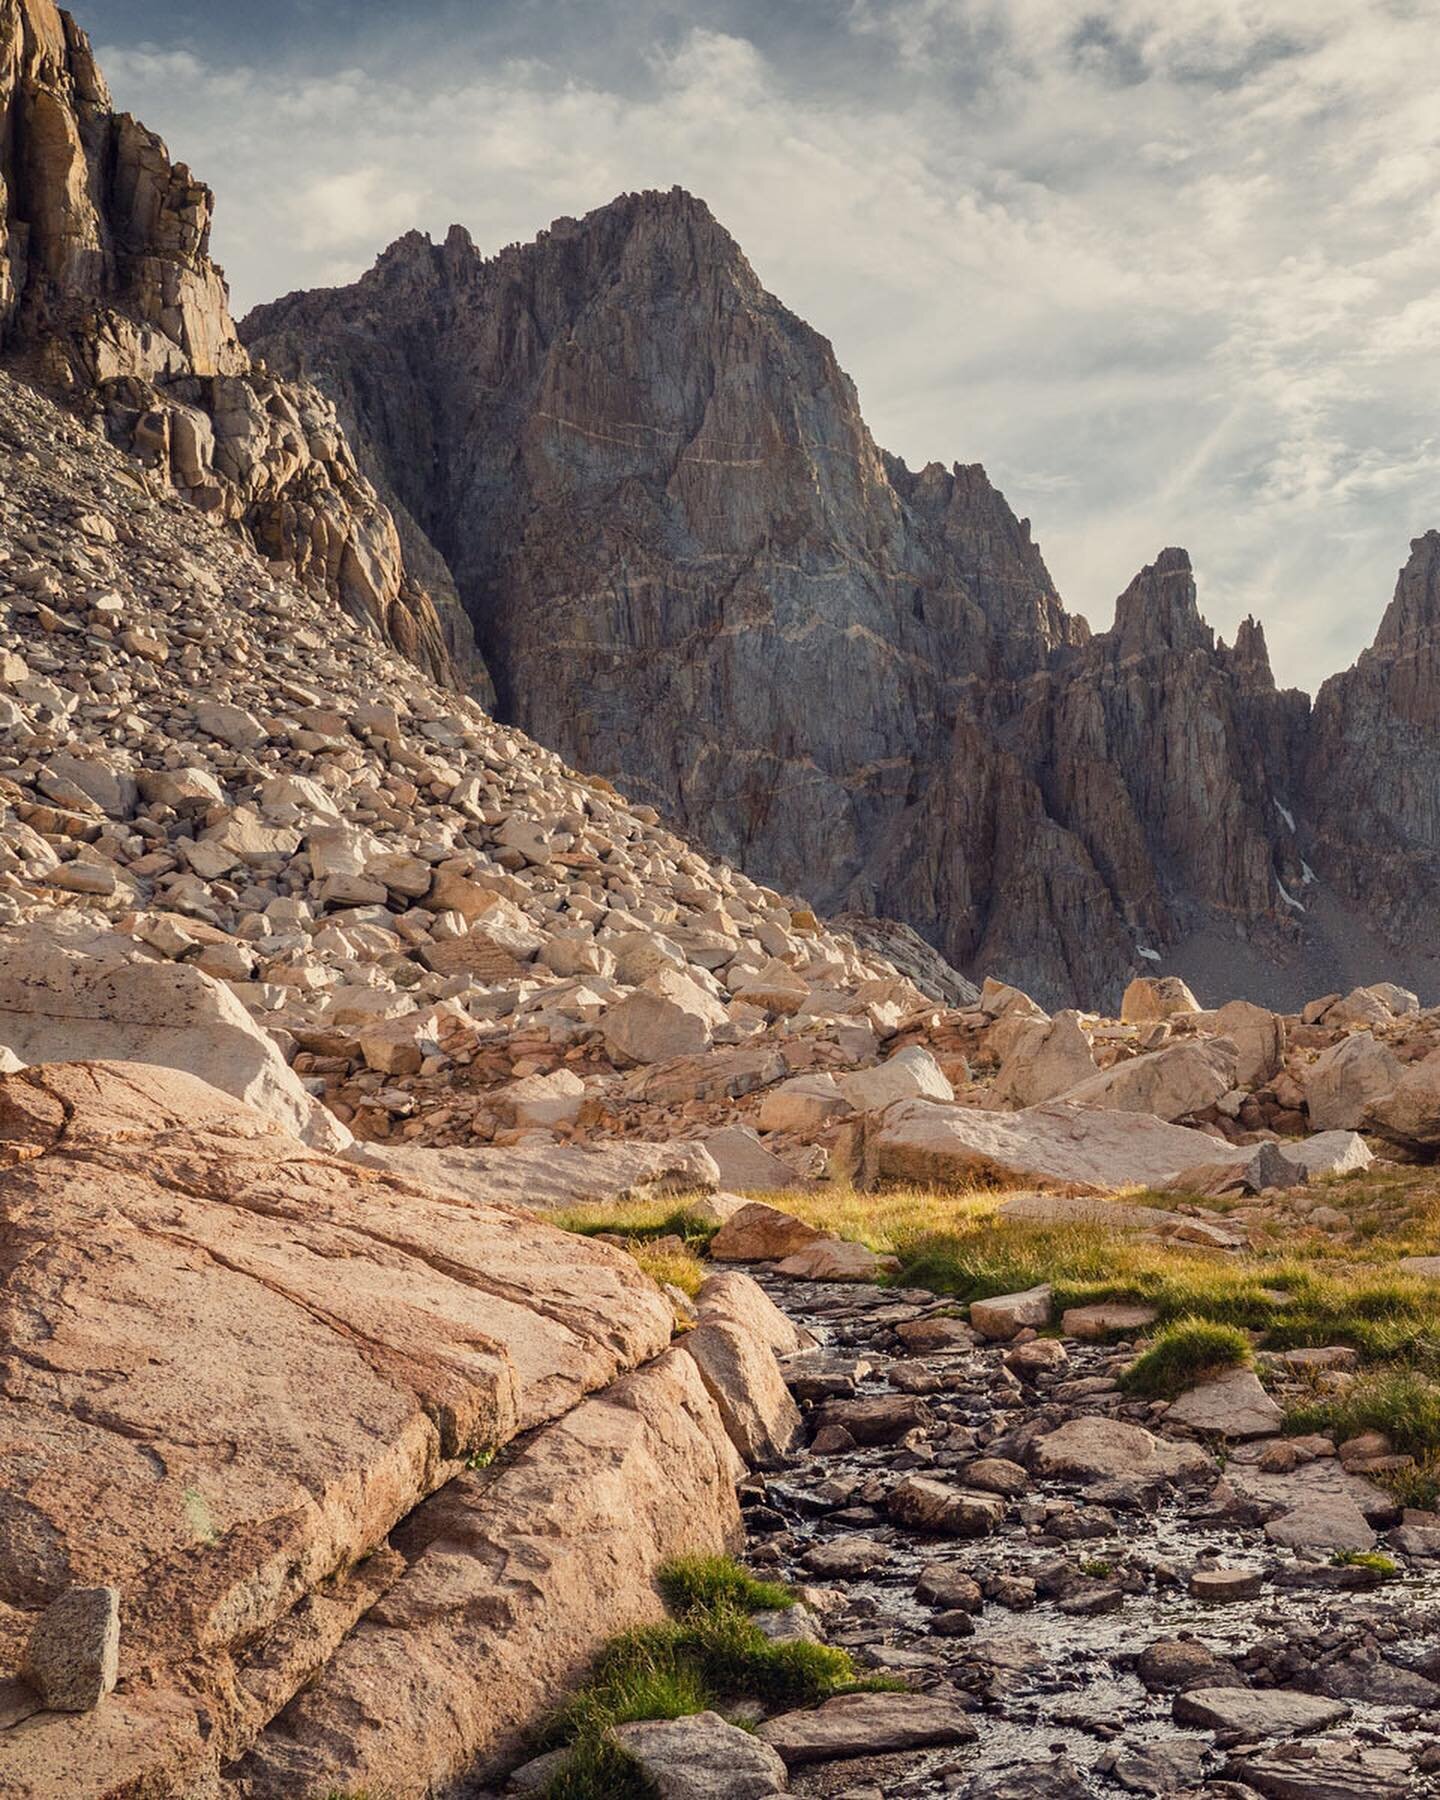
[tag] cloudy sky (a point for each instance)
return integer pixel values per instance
(1169, 268)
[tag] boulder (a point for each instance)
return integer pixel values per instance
(541, 1100)
(73, 1657)
(911, 1074)
(1328, 1770)
(1259, 1036)
(1316, 1506)
(517, 1578)
(803, 1104)
(1361, 1006)
(1329, 1153)
(760, 1233)
(1006, 1314)
(836, 1259)
(743, 1378)
(742, 1302)
(669, 1016)
(1044, 1063)
(1343, 1081)
(73, 1002)
(1409, 1114)
(1230, 1405)
(998, 1000)
(1258, 1712)
(702, 1757)
(1079, 1146)
(1169, 1083)
(744, 1163)
(1156, 997)
(867, 1725)
(1106, 1319)
(1263, 1166)
(925, 1505)
(1098, 1449)
(257, 1360)
(1399, 1001)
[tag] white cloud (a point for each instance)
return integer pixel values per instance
(1167, 267)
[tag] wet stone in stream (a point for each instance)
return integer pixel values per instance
(1067, 1615)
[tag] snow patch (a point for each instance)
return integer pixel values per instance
(1288, 898)
(1308, 873)
(1151, 955)
(1287, 816)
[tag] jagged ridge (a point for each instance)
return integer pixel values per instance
(690, 566)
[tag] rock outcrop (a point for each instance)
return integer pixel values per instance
(109, 296)
(233, 1365)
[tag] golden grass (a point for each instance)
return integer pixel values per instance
(680, 1268)
(1295, 1288)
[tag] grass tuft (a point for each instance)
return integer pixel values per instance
(1185, 1353)
(680, 1268)
(710, 1656)
(639, 1219)
(1403, 1403)
(1417, 1487)
(708, 1583)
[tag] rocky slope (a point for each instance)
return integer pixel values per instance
(108, 295)
(690, 567)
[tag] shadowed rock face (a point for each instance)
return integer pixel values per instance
(109, 297)
(1374, 762)
(690, 567)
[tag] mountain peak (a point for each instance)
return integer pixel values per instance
(1414, 613)
(1159, 610)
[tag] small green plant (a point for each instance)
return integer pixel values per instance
(1097, 1568)
(707, 1583)
(1365, 1559)
(1182, 1354)
(1402, 1403)
(710, 1655)
(483, 1457)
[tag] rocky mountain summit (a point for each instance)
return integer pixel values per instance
(690, 567)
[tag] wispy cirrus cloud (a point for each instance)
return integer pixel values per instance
(1167, 269)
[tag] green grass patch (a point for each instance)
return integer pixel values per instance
(1295, 1302)
(1385, 1566)
(1187, 1352)
(708, 1657)
(709, 1583)
(1403, 1403)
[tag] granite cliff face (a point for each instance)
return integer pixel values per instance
(109, 297)
(690, 567)
(1373, 771)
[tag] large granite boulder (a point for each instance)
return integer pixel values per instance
(1170, 1083)
(1092, 1148)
